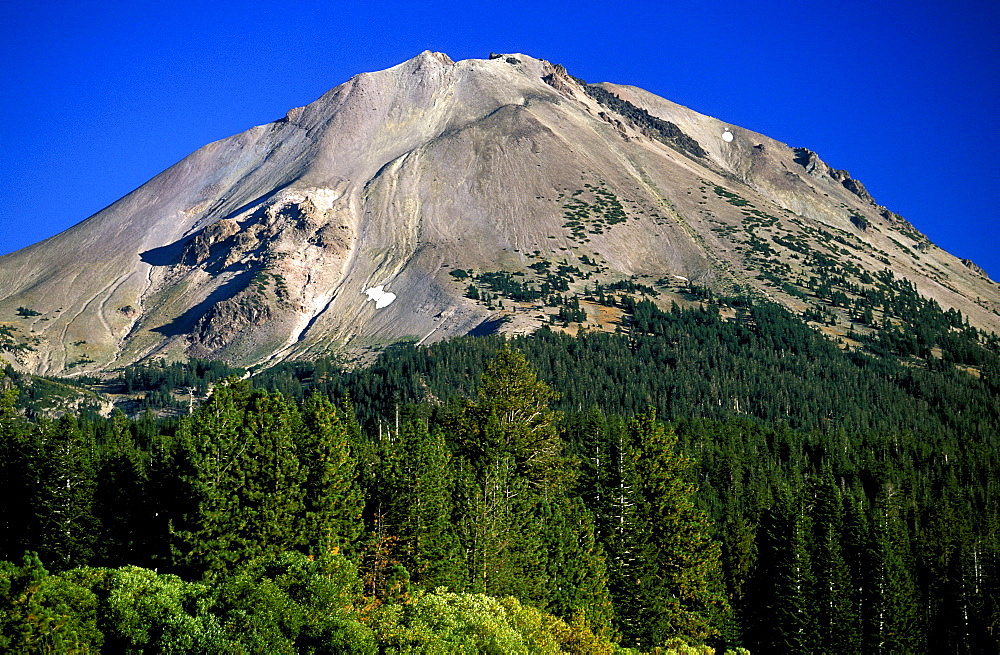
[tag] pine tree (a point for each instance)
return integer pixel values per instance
(499, 532)
(333, 501)
(121, 503)
(621, 527)
(515, 404)
(892, 618)
(739, 559)
(577, 584)
(834, 599)
(514, 480)
(243, 479)
(18, 461)
(422, 507)
(793, 612)
(66, 529)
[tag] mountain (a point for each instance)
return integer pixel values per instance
(374, 213)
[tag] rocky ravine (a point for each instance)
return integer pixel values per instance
(262, 246)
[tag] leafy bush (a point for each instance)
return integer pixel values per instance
(442, 621)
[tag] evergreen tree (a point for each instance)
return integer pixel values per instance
(422, 507)
(622, 528)
(513, 494)
(511, 417)
(512, 458)
(792, 614)
(892, 619)
(834, 599)
(577, 584)
(678, 581)
(121, 504)
(18, 461)
(66, 529)
(498, 530)
(333, 501)
(244, 481)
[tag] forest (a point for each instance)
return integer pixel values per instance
(692, 483)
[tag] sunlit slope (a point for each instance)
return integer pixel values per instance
(265, 245)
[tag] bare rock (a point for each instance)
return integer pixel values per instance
(975, 268)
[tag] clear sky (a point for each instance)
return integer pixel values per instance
(98, 97)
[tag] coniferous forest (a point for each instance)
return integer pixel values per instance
(692, 482)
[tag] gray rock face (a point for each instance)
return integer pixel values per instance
(975, 268)
(262, 246)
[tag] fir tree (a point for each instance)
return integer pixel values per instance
(834, 598)
(18, 461)
(121, 504)
(67, 529)
(892, 618)
(421, 495)
(679, 582)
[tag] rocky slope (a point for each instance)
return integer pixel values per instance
(273, 243)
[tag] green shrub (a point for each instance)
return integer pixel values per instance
(43, 613)
(445, 622)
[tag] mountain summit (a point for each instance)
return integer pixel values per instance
(372, 214)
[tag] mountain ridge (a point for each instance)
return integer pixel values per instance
(261, 246)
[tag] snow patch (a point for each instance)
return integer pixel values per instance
(381, 297)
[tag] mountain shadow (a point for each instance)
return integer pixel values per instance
(184, 323)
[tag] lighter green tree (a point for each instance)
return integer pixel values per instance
(243, 480)
(333, 501)
(678, 583)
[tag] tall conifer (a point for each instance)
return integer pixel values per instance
(679, 586)
(243, 480)
(67, 529)
(423, 508)
(333, 501)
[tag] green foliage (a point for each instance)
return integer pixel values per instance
(294, 604)
(142, 611)
(333, 503)
(731, 198)
(62, 469)
(845, 502)
(674, 573)
(420, 506)
(243, 480)
(159, 382)
(288, 604)
(441, 621)
(41, 613)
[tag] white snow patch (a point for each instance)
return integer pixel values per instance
(381, 297)
(681, 277)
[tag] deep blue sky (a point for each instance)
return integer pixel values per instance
(98, 97)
